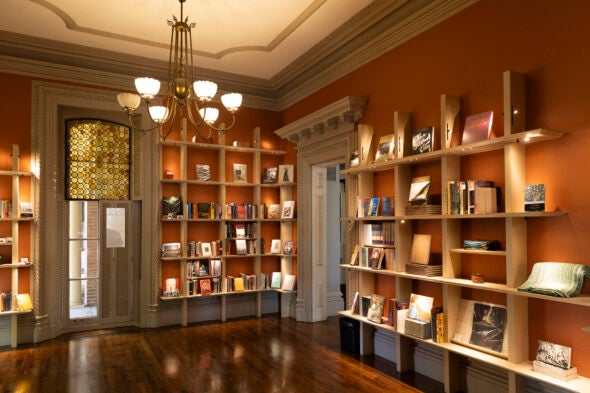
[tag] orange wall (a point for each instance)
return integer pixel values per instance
(549, 41)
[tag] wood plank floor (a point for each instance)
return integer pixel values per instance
(268, 354)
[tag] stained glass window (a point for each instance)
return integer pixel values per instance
(97, 160)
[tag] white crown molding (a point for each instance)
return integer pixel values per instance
(315, 126)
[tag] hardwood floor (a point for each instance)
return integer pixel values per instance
(269, 354)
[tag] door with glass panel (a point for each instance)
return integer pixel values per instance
(103, 267)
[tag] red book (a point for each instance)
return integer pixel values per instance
(205, 286)
(478, 127)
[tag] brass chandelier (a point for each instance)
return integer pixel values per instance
(184, 92)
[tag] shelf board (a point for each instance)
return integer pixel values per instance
(213, 146)
(478, 252)
(457, 216)
(17, 265)
(16, 219)
(505, 215)
(531, 136)
(15, 173)
(7, 313)
(375, 218)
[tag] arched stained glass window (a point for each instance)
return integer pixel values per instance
(98, 160)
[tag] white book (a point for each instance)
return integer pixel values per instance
(275, 246)
(288, 282)
(288, 209)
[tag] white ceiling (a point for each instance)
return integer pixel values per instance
(255, 38)
(264, 48)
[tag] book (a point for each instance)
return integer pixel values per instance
(387, 208)
(238, 284)
(26, 210)
(423, 140)
(286, 173)
(534, 198)
(420, 251)
(204, 210)
(375, 257)
(366, 303)
(275, 280)
(275, 246)
(437, 324)
(373, 207)
(241, 247)
(419, 190)
(288, 282)
(488, 326)
(420, 307)
(288, 209)
(23, 302)
(269, 175)
(385, 148)
(240, 173)
(205, 249)
(288, 247)
(205, 286)
(355, 303)
(354, 257)
(170, 250)
(203, 172)
(170, 287)
(478, 128)
(375, 312)
(554, 354)
(274, 210)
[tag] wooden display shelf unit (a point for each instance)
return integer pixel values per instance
(513, 144)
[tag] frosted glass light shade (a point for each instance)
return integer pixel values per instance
(210, 115)
(158, 113)
(205, 90)
(231, 101)
(128, 100)
(147, 87)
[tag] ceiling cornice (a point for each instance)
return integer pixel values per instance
(380, 27)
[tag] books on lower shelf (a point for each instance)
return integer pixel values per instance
(379, 234)
(170, 250)
(481, 325)
(170, 287)
(275, 280)
(472, 197)
(376, 306)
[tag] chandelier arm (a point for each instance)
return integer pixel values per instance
(195, 124)
(135, 127)
(170, 123)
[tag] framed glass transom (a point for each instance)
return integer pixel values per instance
(98, 160)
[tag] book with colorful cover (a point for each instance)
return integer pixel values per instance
(375, 311)
(385, 148)
(205, 286)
